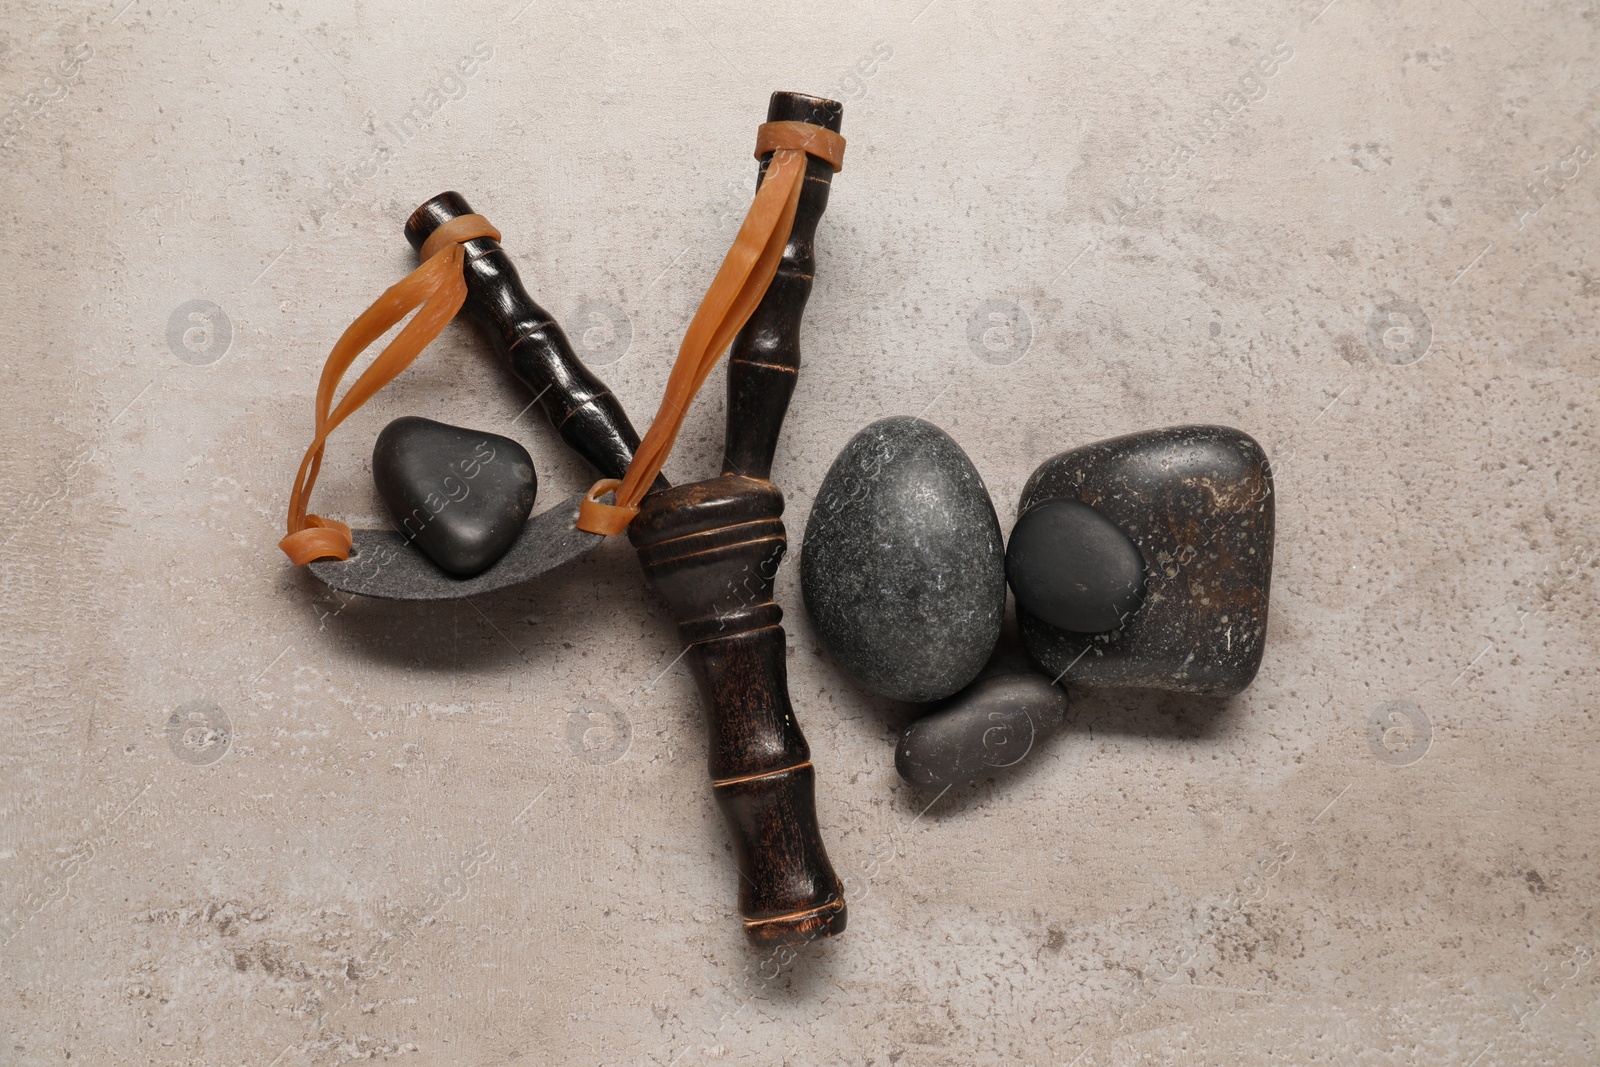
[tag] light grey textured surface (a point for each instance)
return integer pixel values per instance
(248, 822)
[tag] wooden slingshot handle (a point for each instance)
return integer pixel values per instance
(711, 550)
(577, 403)
(764, 361)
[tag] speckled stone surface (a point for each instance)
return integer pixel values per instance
(903, 566)
(244, 819)
(1198, 503)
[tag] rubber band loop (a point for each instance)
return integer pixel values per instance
(734, 294)
(596, 516)
(804, 137)
(438, 288)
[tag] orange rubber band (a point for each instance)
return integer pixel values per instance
(439, 288)
(735, 292)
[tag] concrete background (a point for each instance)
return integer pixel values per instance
(482, 833)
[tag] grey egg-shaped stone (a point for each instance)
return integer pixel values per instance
(1070, 566)
(462, 496)
(902, 566)
(993, 724)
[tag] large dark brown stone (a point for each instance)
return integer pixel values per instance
(1197, 501)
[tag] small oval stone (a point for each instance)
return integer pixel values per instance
(1072, 567)
(902, 566)
(995, 723)
(462, 496)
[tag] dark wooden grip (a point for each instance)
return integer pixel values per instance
(577, 403)
(710, 550)
(765, 358)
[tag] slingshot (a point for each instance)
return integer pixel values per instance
(710, 549)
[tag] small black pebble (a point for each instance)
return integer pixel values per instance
(462, 496)
(993, 724)
(1070, 566)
